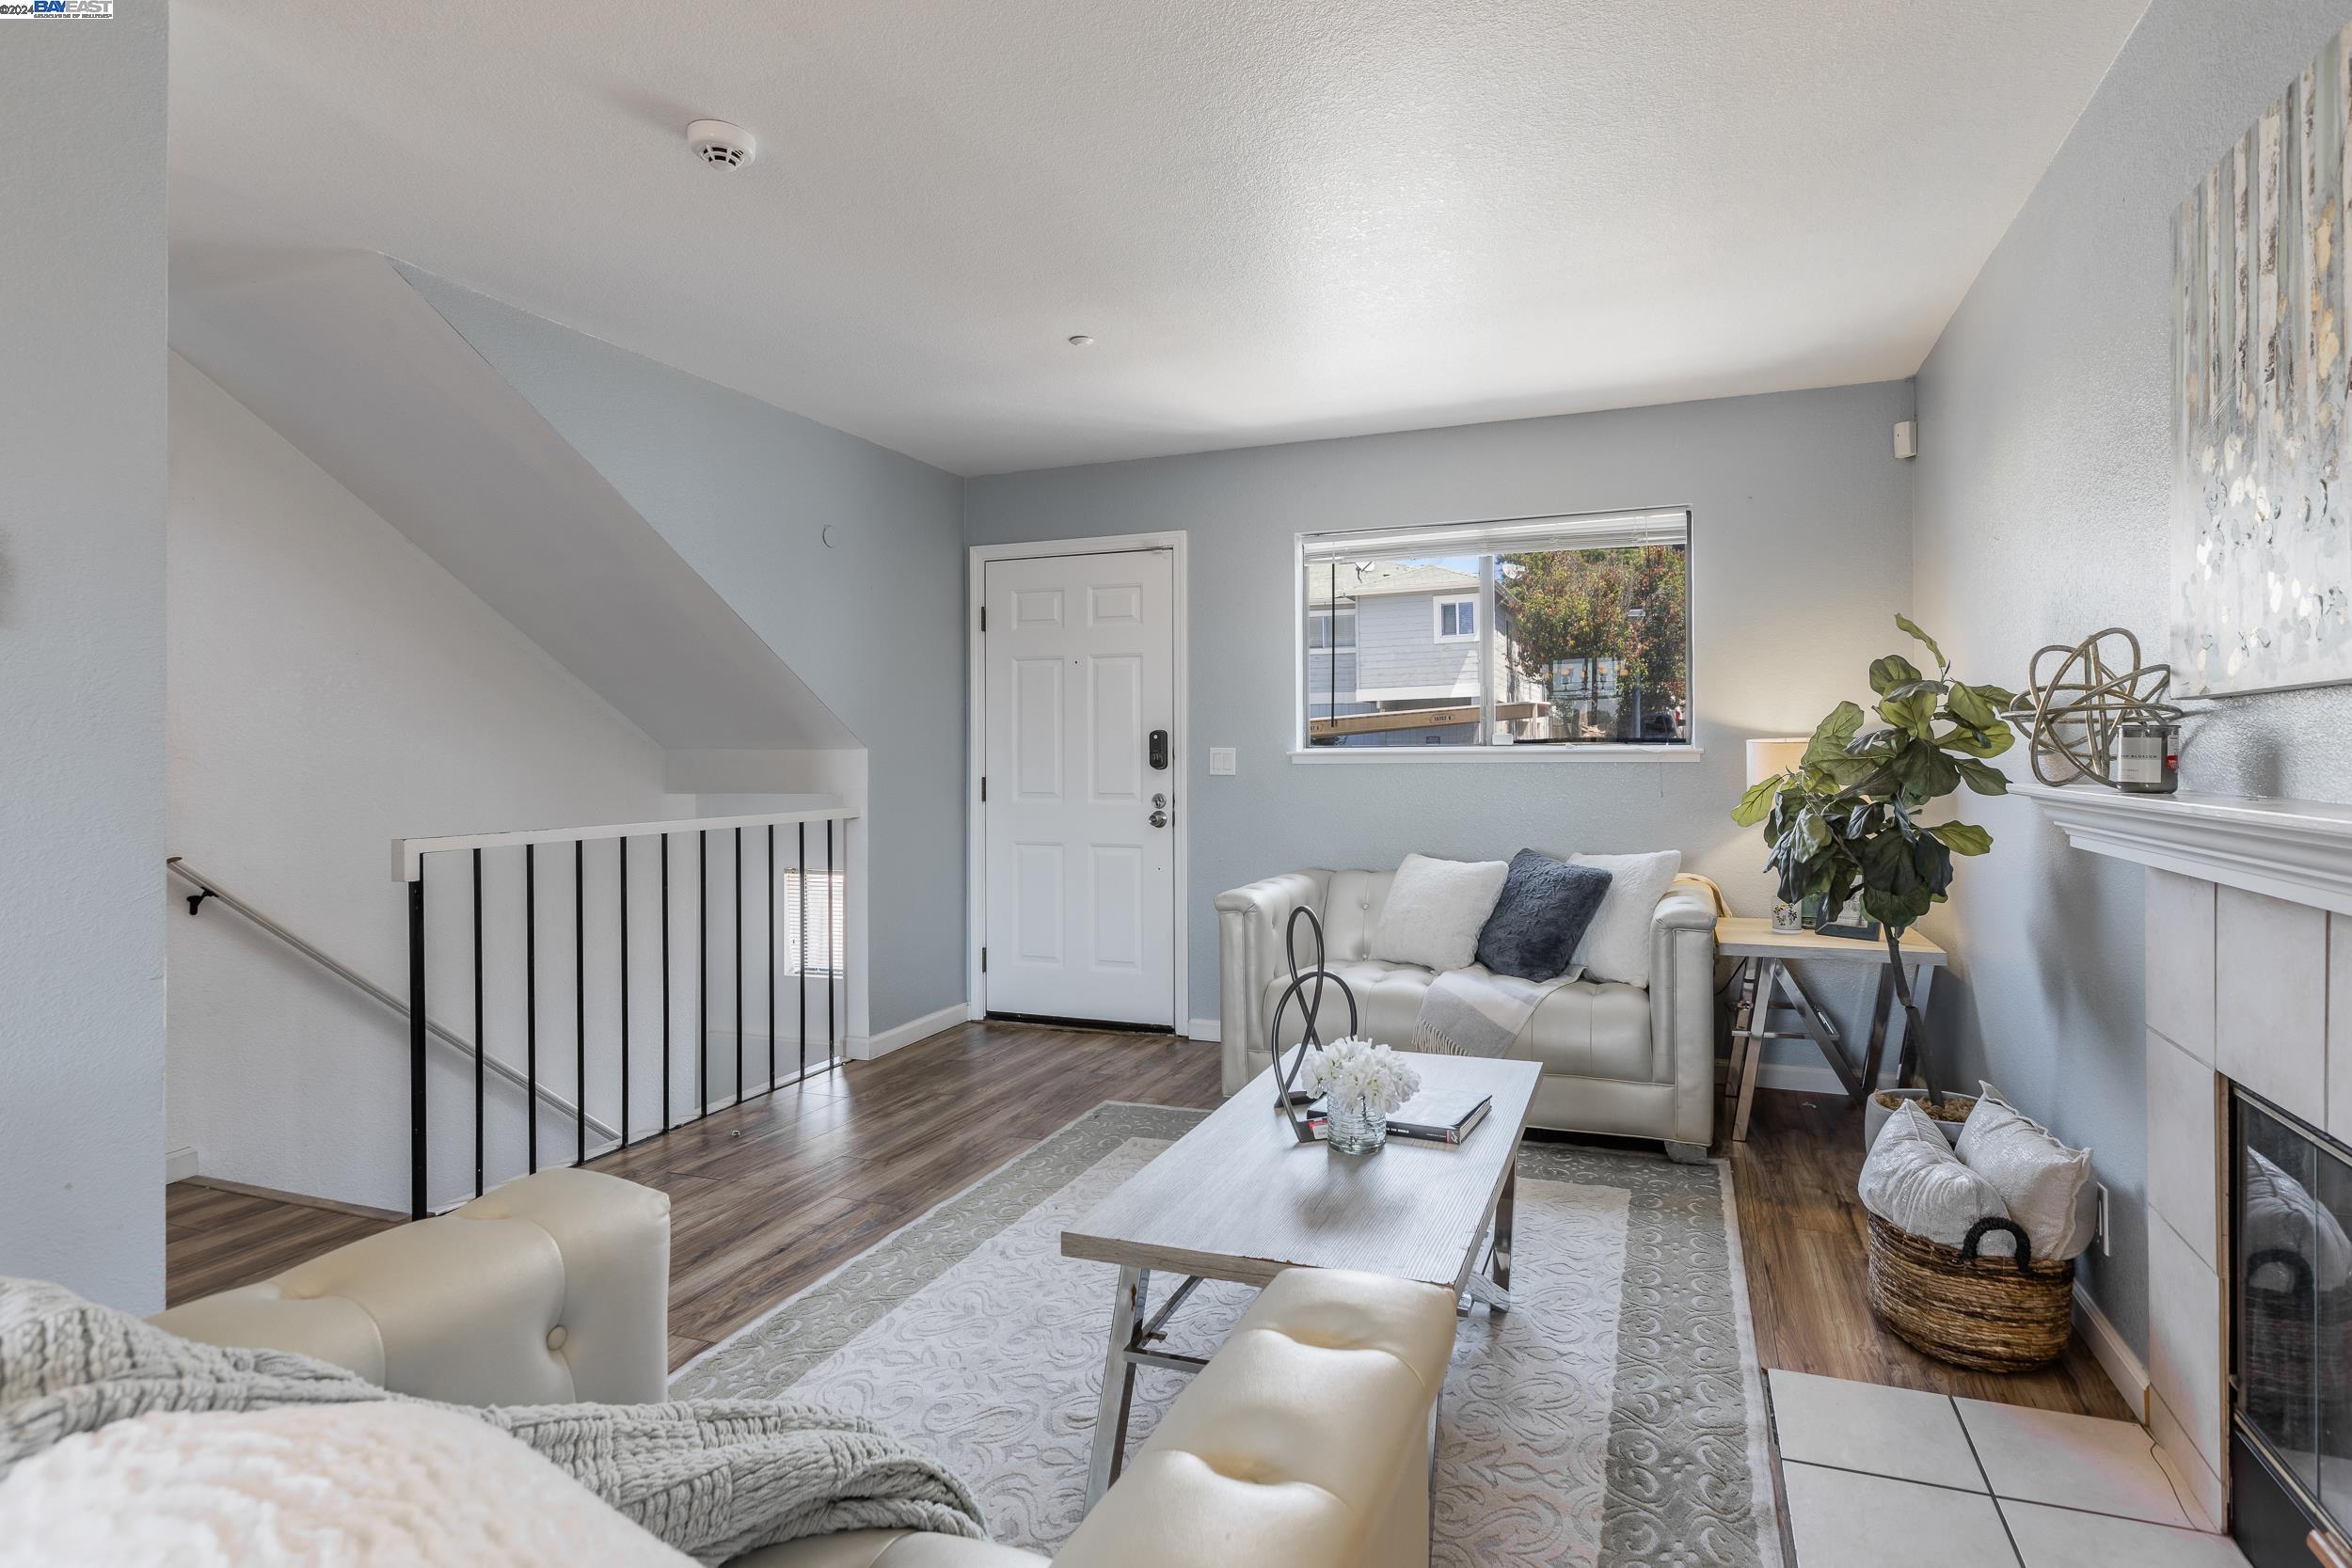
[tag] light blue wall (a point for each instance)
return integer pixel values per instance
(874, 624)
(1801, 557)
(82, 445)
(2042, 478)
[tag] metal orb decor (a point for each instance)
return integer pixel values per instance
(2075, 713)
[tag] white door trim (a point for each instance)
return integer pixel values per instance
(975, 746)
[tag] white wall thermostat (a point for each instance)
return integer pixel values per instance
(1221, 759)
(1907, 439)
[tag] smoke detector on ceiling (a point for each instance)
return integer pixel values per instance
(714, 141)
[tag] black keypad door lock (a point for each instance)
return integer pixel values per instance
(1159, 750)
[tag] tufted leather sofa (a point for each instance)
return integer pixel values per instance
(1634, 1061)
(551, 1289)
(1305, 1441)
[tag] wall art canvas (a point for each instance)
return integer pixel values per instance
(2261, 506)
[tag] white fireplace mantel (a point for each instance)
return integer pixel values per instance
(2300, 850)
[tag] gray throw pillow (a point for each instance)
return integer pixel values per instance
(1545, 907)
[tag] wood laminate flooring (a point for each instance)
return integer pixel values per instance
(769, 1196)
(1802, 1232)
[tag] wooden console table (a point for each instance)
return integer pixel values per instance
(1768, 985)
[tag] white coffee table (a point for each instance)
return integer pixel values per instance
(1240, 1198)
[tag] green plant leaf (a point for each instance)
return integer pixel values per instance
(1926, 772)
(1969, 707)
(1891, 672)
(1904, 622)
(1963, 838)
(1982, 777)
(1831, 735)
(1914, 715)
(1758, 801)
(1980, 743)
(2001, 697)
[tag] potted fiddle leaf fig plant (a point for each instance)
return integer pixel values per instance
(1849, 820)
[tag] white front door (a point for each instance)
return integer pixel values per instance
(1081, 896)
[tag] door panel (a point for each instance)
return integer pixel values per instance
(1081, 899)
(1115, 688)
(1036, 722)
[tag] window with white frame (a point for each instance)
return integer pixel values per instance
(1322, 631)
(1531, 631)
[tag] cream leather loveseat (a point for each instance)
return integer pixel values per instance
(1634, 1061)
(1304, 1442)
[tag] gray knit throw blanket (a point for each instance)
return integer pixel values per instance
(713, 1477)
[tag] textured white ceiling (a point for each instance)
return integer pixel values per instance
(1279, 218)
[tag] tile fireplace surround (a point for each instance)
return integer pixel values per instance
(2248, 978)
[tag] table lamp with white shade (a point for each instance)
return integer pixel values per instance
(1769, 759)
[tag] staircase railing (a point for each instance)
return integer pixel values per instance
(783, 940)
(209, 890)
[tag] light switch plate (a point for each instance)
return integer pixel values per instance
(1221, 759)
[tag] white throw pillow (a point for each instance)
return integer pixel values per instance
(379, 1485)
(1436, 910)
(1616, 943)
(2046, 1185)
(1915, 1183)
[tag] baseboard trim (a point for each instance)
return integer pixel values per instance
(179, 1163)
(306, 1199)
(2114, 1356)
(864, 1048)
(1208, 1029)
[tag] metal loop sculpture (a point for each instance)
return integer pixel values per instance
(1310, 1008)
(2074, 714)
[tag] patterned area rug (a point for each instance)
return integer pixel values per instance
(1612, 1419)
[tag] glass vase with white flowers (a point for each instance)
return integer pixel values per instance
(1362, 1085)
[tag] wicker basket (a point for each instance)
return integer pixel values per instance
(1994, 1314)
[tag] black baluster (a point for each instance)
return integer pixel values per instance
(800, 909)
(702, 969)
(772, 957)
(579, 998)
(530, 998)
(624, 862)
(742, 934)
(666, 982)
(416, 1043)
(481, 1044)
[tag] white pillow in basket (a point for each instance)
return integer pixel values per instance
(1436, 910)
(1616, 943)
(1915, 1183)
(2046, 1185)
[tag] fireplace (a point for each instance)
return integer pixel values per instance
(2290, 1304)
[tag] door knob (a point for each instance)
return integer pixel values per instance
(1159, 811)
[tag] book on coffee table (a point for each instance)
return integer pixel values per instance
(1433, 1116)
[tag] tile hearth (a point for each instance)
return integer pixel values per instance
(1873, 1474)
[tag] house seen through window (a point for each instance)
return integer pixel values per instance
(1540, 631)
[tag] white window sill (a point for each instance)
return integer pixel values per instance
(1599, 752)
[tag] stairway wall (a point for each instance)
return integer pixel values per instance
(848, 560)
(331, 687)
